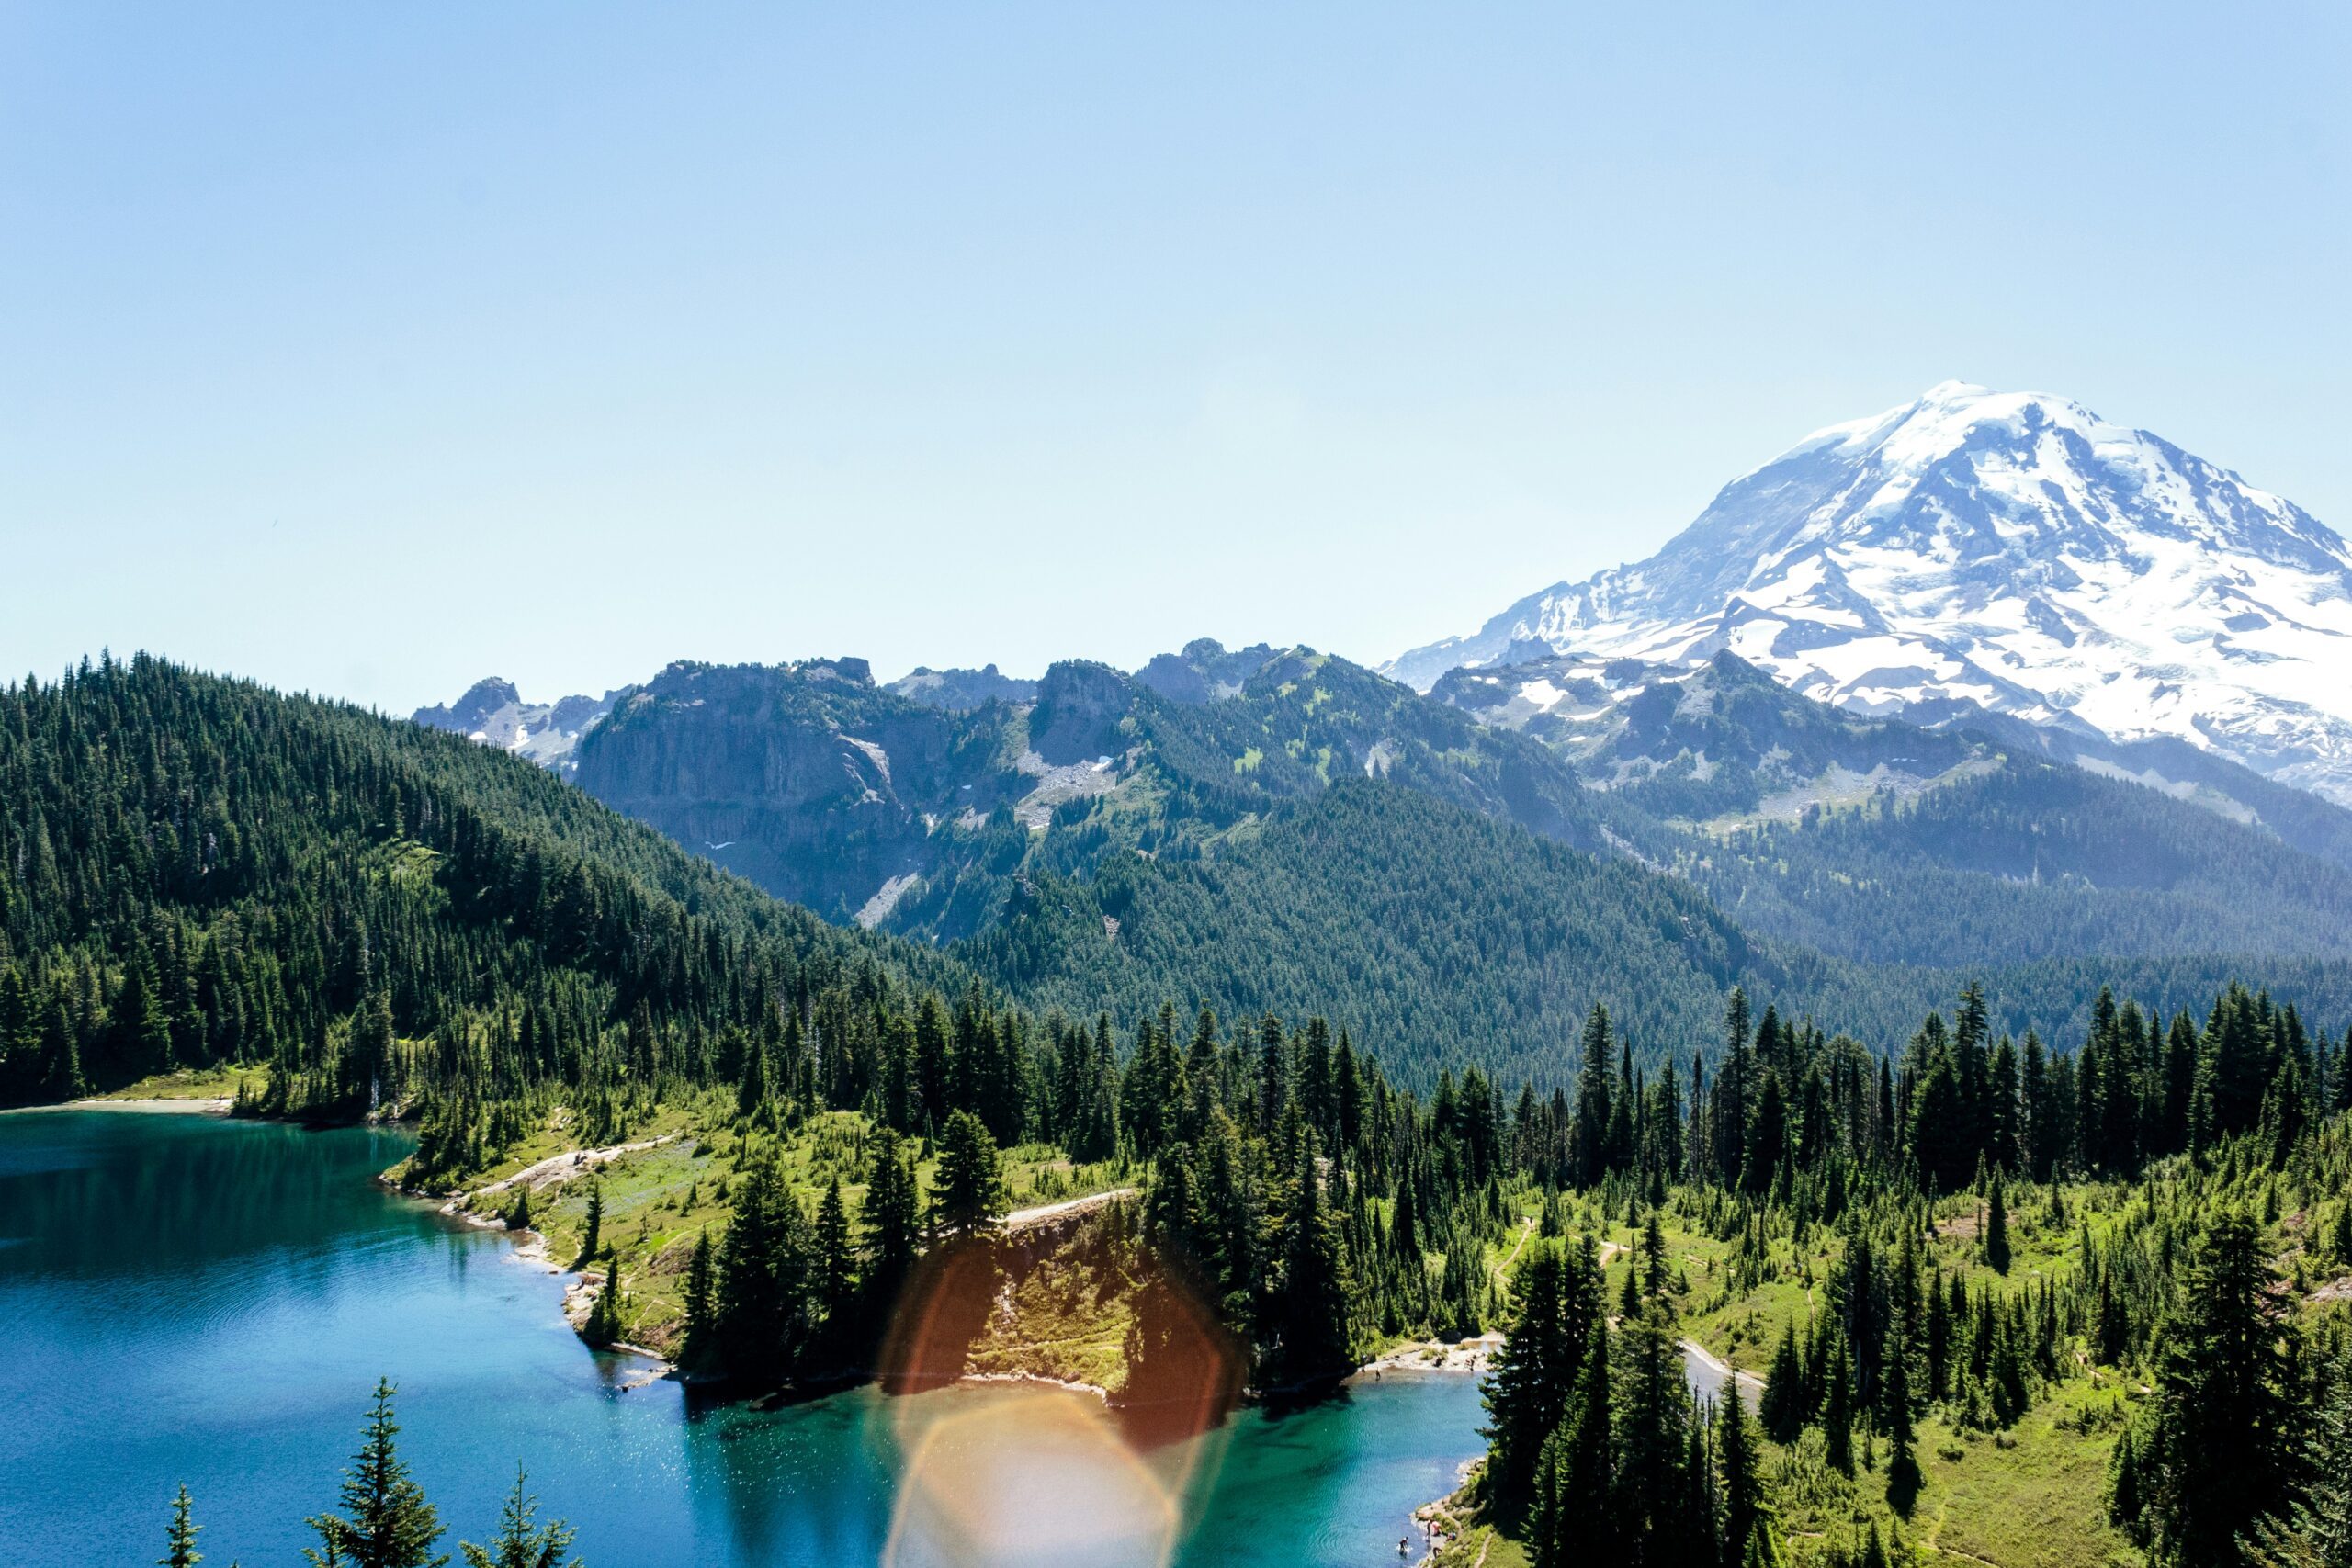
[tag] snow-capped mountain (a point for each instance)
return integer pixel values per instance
(494, 713)
(2001, 553)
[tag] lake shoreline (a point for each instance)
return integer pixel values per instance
(1473, 1354)
(649, 1476)
(190, 1106)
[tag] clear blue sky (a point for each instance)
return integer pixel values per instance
(369, 349)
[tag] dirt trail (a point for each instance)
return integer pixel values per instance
(1020, 1219)
(556, 1165)
(1526, 1229)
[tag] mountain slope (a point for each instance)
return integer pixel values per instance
(1875, 839)
(195, 869)
(920, 818)
(1430, 928)
(2009, 554)
(1865, 841)
(1445, 936)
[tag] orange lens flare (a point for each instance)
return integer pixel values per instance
(1020, 1471)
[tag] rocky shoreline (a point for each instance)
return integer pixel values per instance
(1472, 1354)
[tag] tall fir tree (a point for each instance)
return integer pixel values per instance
(386, 1522)
(698, 1341)
(1740, 1485)
(836, 1280)
(179, 1536)
(522, 1542)
(892, 1221)
(1786, 1404)
(2215, 1464)
(1534, 1378)
(1837, 1410)
(1314, 1337)
(967, 1192)
(2317, 1529)
(1904, 1477)
(1575, 1520)
(763, 1278)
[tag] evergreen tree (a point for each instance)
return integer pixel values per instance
(1534, 1378)
(369, 1059)
(385, 1522)
(593, 1232)
(1652, 1439)
(892, 1225)
(522, 1542)
(2216, 1463)
(144, 1035)
(1575, 1521)
(179, 1537)
(968, 1194)
(2317, 1531)
(762, 1317)
(1315, 1338)
(702, 1305)
(1903, 1475)
(2126, 1503)
(1785, 1403)
(608, 1321)
(1768, 1134)
(1837, 1411)
(1996, 1231)
(1742, 1486)
(836, 1283)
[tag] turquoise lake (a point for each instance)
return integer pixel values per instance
(189, 1299)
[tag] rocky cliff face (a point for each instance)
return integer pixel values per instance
(1204, 671)
(806, 778)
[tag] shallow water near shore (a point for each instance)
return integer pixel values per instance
(200, 1300)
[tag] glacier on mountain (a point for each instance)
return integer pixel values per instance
(1977, 552)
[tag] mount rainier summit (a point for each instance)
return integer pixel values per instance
(2003, 556)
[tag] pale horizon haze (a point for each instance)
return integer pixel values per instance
(371, 351)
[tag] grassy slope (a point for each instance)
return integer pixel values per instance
(657, 1202)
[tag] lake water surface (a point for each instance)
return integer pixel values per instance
(188, 1299)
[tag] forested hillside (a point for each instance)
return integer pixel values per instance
(1449, 937)
(1213, 808)
(196, 869)
(1875, 839)
(1445, 935)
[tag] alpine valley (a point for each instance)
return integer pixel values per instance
(1885, 717)
(1844, 1022)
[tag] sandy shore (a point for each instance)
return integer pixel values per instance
(191, 1106)
(1750, 1386)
